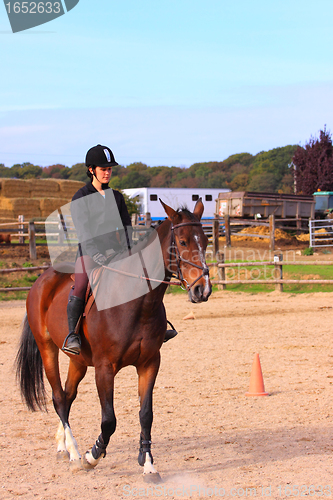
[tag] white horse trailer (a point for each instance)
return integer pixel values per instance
(148, 199)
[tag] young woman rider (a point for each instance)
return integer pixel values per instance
(96, 210)
(97, 220)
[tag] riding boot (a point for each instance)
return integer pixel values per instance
(75, 308)
(170, 334)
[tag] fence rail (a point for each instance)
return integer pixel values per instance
(222, 282)
(278, 264)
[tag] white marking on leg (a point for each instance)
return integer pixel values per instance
(148, 467)
(60, 438)
(91, 460)
(71, 445)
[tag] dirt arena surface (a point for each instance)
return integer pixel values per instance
(209, 439)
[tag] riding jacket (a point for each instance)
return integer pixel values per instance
(102, 223)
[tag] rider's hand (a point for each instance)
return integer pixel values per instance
(99, 258)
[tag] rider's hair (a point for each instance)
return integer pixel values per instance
(89, 174)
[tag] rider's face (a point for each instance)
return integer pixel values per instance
(103, 174)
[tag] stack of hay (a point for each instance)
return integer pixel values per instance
(34, 197)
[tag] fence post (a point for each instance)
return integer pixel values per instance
(21, 228)
(278, 258)
(272, 231)
(310, 233)
(227, 230)
(32, 241)
(134, 219)
(216, 230)
(220, 270)
(61, 223)
(148, 219)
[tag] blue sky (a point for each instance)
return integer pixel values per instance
(166, 83)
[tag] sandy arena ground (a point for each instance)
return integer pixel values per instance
(209, 438)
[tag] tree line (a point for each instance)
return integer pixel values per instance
(266, 171)
(272, 171)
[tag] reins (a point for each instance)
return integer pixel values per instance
(174, 251)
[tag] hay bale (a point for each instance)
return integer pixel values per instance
(69, 188)
(44, 188)
(6, 215)
(15, 188)
(49, 205)
(6, 209)
(28, 207)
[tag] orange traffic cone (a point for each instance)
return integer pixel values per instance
(190, 315)
(256, 381)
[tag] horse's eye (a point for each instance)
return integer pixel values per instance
(182, 243)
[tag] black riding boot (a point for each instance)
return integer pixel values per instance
(170, 334)
(75, 308)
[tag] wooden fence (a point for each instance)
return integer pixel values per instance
(222, 282)
(213, 228)
(278, 264)
(16, 270)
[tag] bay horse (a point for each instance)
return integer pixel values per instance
(127, 334)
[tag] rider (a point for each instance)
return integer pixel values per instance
(97, 241)
(90, 217)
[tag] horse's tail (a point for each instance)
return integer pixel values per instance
(29, 370)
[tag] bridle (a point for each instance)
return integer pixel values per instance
(174, 251)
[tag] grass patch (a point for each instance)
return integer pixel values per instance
(15, 280)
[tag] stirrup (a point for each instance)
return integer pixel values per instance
(170, 334)
(76, 349)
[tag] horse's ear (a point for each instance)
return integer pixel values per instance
(199, 208)
(171, 213)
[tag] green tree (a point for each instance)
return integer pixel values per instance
(274, 162)
(135, 179)
(265, 182)
(131, 204)
(239, 182)
(136, 166)
(115, 182)
(78, 173)
(4, 171)
(25, 171)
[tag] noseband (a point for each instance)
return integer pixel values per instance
(176, 253)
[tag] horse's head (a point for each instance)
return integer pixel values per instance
(184, 254)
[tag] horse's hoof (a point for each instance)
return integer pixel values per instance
(152, 477)
(62, 455)
(87, 465)
(75, 465)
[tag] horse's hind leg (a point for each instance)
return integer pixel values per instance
(66, 443)
(147, 376)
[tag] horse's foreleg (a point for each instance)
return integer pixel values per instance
(105, 386)
(147, 376)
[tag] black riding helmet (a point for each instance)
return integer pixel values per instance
(99, 156)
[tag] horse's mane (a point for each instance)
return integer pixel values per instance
(185, 211)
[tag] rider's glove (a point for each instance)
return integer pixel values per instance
(99, 258)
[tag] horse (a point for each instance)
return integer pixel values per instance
(127, 334)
